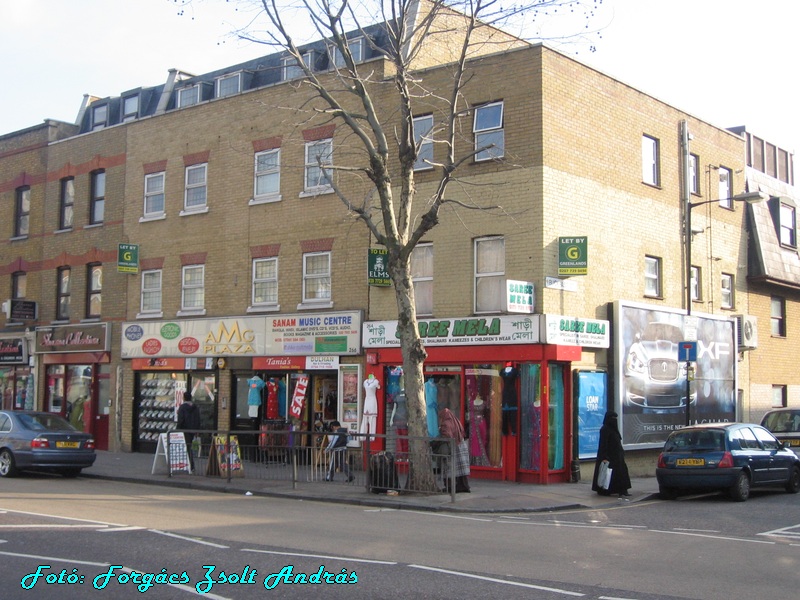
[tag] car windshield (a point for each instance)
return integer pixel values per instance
(784, 421)
(700, 441)
(44, 422)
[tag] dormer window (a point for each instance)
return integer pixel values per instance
(788, 225)
(130, 108)
(99, 116)
(356, 46)
(188, 96)
(229, 85)
(291, 70)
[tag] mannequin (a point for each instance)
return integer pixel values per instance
(478, 433)
(432, 407)
(510, 401)
(399, 420)
(272, 399)
(255, 385)
(370, 414)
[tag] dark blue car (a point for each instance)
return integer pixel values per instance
(730, 457)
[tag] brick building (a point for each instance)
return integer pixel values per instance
(561, 257)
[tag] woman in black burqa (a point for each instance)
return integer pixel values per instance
(610, 449)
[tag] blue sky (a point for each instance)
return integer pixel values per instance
(728, 62)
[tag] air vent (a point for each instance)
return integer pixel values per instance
(746, 332)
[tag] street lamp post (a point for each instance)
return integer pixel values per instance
(750, 198)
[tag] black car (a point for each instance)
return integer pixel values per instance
(731, 457)
(42, 441)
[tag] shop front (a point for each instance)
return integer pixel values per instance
(506, 378)
(259, 374)
(16, 376)
(76, 364)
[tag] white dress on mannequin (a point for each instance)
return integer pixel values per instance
(369, 417)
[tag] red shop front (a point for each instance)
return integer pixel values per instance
(513, 400)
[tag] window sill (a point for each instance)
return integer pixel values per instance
(194, 312)
(314, 305)
(150, 315)
(59, 231)
(60, 322)
(315, 192)
(90, 320)
(263, 309)
(93, 225)
(154, 217)
(652, 185)
(17, 238)
(264, 200)
(196, 211)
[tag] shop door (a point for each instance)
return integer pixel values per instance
(102, 406)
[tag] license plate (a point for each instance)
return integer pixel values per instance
(68, 444)
(690, 462)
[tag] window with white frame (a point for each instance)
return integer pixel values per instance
(130, 108)
(265, 282)
(99, 116)
(195, 193)
(694, 174)
(356, 46)
(651, 171)
(63, 293)
(652, 276)
(779, 396)
(94, 291)
(291, 68)
(67, 203)
(788, 225)
(151, 291)
(319, 155)
(422, 276)
(490, 139)
(316, 277)
(490, 274)
(726, 289)
(19, 284)
(188, 96)
(696, 284)
(22, 211)
(725, 187)
(777, 316)
(228, 85)
(97, 198)
(193, 288)
(154, 194)
(267, 176)
(422, 131)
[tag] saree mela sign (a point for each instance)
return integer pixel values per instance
(503, 329)
(278, 335)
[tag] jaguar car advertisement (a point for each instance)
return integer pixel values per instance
(651, 377)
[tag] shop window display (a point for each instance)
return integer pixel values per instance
(16, 388)
(484, 414)
(69, 393)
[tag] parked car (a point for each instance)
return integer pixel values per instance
(655, 381)
(41, 441)
(784, 423)
(731, 457)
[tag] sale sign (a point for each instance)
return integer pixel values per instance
(299, 397)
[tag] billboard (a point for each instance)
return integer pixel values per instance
(650, 380)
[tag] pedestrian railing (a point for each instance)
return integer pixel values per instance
(417, 465)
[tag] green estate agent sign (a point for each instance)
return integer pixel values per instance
(378, 275)
(128, 258)
(573, 256)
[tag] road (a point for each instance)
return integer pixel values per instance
(105, 539)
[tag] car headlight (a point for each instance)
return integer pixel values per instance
(634, 363)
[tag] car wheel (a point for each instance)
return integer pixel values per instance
(666, 493)
(71, 472)
(793, 485)
(740, 490)
(7, 466)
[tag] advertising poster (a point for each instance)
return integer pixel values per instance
(651, 381)
(591, 388)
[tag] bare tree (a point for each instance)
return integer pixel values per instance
(455, 33)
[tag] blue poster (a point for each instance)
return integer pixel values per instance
(592, 403)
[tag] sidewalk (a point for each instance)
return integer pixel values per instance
(486, 496)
